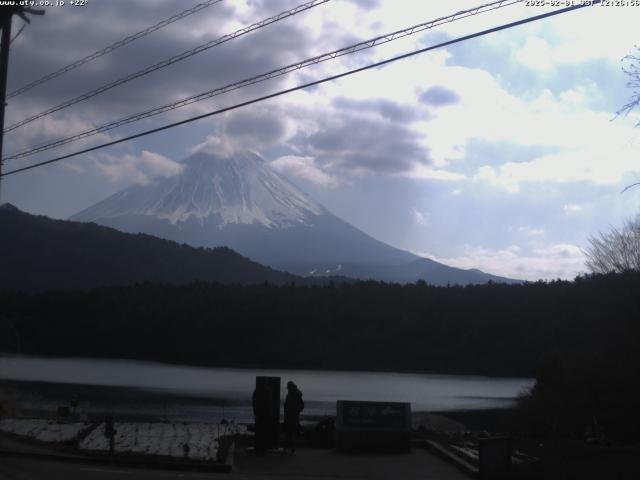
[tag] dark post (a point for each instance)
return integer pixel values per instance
(267, 406)
(63, 412)
(110, 432)
(74, 403)
(5, 18)
(495, 458)
(186, 449)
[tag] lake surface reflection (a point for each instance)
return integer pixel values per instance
(211, 389)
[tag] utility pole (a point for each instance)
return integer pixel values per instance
(4, 64)
(6, 15)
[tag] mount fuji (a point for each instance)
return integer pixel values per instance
(239, 201)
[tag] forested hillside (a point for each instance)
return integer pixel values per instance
(485, 329)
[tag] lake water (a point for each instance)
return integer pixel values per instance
(215, 392)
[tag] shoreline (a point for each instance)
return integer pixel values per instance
(244, 366)
(134, 404)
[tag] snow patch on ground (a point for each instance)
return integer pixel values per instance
(42, 430)
(166, 439)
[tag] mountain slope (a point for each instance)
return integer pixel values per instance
(420, 269)
(240, 202)
(240, 189)
(40, 253)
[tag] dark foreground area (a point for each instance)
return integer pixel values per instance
(535, 459)
(317, 464)
(579, 339)
(552, 456)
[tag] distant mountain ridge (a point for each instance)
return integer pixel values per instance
(40, 253)
(239, 201)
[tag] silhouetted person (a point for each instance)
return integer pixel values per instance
(262, 415)
(293, 405)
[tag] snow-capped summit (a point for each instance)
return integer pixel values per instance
(236, 189)
(238, 200)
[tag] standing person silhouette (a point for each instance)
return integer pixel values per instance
(293, 405)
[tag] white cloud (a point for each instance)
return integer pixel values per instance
(549, 262)
(536, 53)
(305, 169)
(218, 145)
(426, 172)
(531, 231)
(596, 165)
(420, 218)
(581, 95)
(74, 167)
(588, 146)
(573, 39)
(572, 209)
(559, 121)
(138, 169)
(52, 128)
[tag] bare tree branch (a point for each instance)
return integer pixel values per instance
(631, 66)
(616, 251)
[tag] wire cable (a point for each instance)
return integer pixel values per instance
(113, 46)
(307, 85)
(379, 40)
(170, 61)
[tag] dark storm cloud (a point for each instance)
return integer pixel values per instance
(352, 143)
(439, 96)
(66, 34)
(346, 140)
(386, 108)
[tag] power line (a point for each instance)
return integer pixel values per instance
(113, 46)
(310, 84)
(165, 63)
(379, 40)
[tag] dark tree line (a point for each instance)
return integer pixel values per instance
(486, 329)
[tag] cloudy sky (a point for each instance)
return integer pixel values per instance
(501, 153)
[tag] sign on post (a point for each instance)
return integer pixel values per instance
(373, 426)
